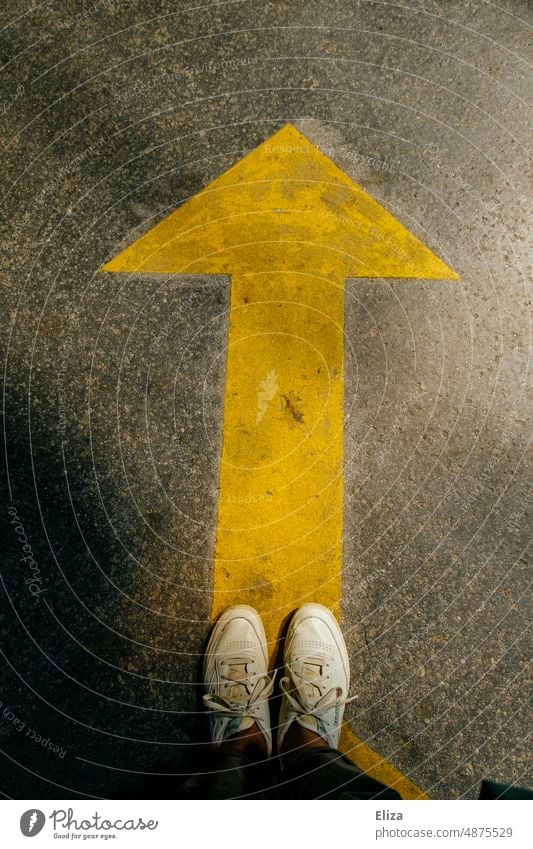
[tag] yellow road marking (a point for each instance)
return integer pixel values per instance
(289, 227)
(377, 767)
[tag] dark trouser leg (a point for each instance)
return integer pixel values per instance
(493, 790)
(325, 773)
(231, 775)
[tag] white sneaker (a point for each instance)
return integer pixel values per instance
(317, 675)
(236, 675)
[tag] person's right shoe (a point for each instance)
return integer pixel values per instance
(236, 675)
(317, 675)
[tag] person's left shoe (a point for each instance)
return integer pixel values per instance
(236, 675)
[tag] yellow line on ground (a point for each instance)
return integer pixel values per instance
(289, 227)
(377, 767)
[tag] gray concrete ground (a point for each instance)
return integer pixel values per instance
(113, 113)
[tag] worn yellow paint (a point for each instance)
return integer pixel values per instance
(285, 206)
(289, 227)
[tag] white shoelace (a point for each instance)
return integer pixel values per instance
(260, 692)
(301, 703)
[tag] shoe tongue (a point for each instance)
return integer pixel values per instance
(310, 669)
(309, 722)
(308, 672)
(246, 723)
(236, 670)
(238, 678)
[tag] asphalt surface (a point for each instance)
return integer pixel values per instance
(115, 113)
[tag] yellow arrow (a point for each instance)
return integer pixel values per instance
(289, 227)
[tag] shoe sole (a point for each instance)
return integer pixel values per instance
(318, 611)
(238, 611)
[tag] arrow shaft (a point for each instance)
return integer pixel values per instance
(279, 527)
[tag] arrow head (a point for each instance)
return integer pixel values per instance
(284, 207)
